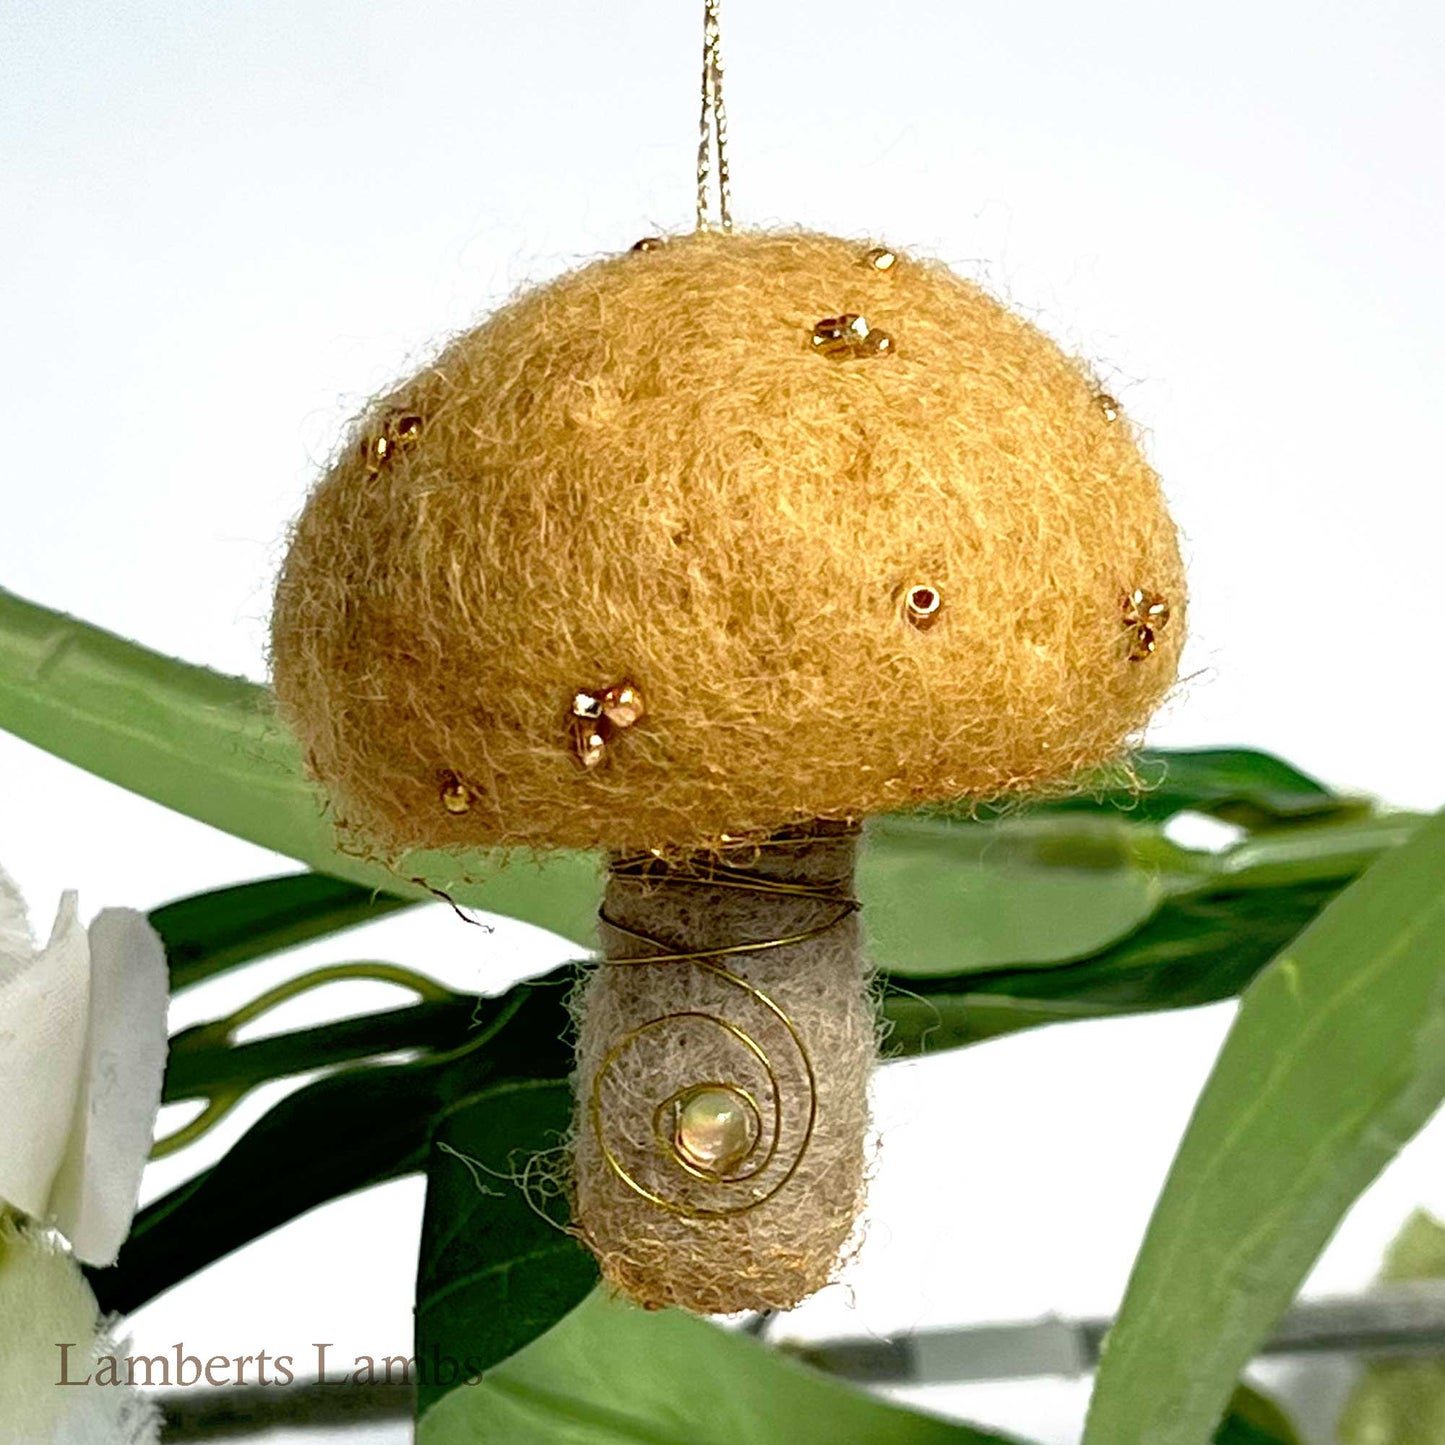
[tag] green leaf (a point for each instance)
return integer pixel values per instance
(200, 1066)
(1255, 1419)
(208, 933)
(1215, 930)
(348, 1130)
(1238, 785)
(610, 1374)
(1397, 1402)
(961, 896)
(1195, 950)
(946, 898)
(200, 742)
(1402, 1402)
(211, 747)
(329, 1138)
(1337, 1057)
(1418, 1251)
(497, 1267)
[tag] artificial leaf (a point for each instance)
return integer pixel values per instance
(1252, 789)
(1222, 919)
(342, 1132)
(329, 1138)
(1336, 1058)
(966, 896)
(201, 1065)
(208, 933)
(1402, 1402)
(610, 1374)
(1255, 1419)
(497, 1265)
(212, 747)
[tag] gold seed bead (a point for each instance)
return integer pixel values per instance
(880, 258)
(922, 605)
(1108, 406)
(849, 335)
(456, 796)
(589, 740)
(715, 1130)
(1145, 614)
(398, 429)
(598, 716)
(623, 704)
(649, 243)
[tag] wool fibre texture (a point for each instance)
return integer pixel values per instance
(645, 470)
(654, 1030)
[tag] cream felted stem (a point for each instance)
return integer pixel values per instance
(655, 1031)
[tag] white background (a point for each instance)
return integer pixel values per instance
(223, 226)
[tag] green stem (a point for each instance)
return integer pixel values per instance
(222, 1096)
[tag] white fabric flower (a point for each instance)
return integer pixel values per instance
(44, 1302)
(82, 1054)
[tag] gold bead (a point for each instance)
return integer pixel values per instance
(649, 243)
(589, 740)
(849, 335)
(456, 796)
(597, 717)
(1145, 614)
(880, 258)
(922, 605)
(623, 704)
(398, 429)
(1108, 406)
(715, 1129)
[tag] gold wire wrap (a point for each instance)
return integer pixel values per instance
(748, 1176)
(713, 125)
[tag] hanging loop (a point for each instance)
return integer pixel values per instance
(713, 127)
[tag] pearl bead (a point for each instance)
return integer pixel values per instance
(715, 1130)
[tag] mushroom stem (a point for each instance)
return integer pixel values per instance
(724, 1048)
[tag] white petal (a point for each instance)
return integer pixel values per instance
(17, 944)
(43, 1010)
(95, 1195)
(44, 1303)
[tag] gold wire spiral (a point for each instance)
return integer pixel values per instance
(751, 1165)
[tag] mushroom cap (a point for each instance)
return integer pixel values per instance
(649, 471)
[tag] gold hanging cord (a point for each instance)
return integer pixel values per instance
(713, 126)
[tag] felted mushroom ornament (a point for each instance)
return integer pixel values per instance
(698, 556)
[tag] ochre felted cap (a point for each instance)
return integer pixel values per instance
(658, 470)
